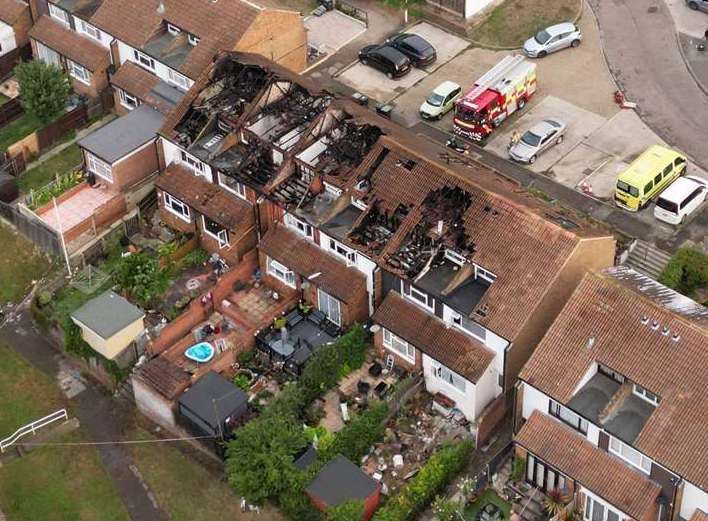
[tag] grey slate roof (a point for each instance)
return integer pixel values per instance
(213, 399)
(107, 314)
(123, 135)
(340, 481)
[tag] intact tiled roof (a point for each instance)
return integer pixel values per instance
(219, 25)
(77, 48)
(137, 81)
(600, 472)
(11, 10)
(205, 197)
(305, 258)
(447, 345)
(619, 319)
(166, 377)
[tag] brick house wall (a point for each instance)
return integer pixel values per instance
(132, 169)
(383, 352)
(173, 221)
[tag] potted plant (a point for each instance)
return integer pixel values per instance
(555, 502)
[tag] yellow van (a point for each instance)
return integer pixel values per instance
(648, 175)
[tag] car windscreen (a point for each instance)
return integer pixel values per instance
(669, 206)
(542, 37)
(624, 187)
(531, 139)
(435, 99)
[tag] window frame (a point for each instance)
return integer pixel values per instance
(195, 165)
(124, 101)
(86, 29)
(173, 29)
(484, 274)
(404, 348)
(193, 40)
(429, 303)
(178, 80)
(59, 14)
(167, 201)
(239, 192)
(438, 370)
(557, 409)
(275, 268)
(223, 241)
(94, 165)
(645, 394)
(141, 58)
(347, 254)
(618, 448)
(299, 226)
(75, 69)
(588, 509)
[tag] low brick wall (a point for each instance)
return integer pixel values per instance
(179, 327)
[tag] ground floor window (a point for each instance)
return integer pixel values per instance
(449, 377)
(280, 272)
(78, 72)
(98, 167)
(330, 306)
(176, 207)
(47, 55)
(398, 345)
(128, 100)
(217, 231)
(598, 511)
(543, 476)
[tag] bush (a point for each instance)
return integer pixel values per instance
(242, 381)
(348, 511)
(686, 271)
(44, 89)
(355, 439)
(518, 470)
(195, 257)
(435, 475)
(61, 184)
(141, 276)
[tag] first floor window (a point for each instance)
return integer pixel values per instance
(483, 274)
(144, 59)
(59, 14)
(567, 416)
(646, 395)
(193, 163)
(232, 185)
(128, 100)
(98, 167)
(417, 296)
(280, 272)
(398, 345)
(299, 226)
(90, 30)
(217, 231)
(178, 79)
(449, 377)
(176, 207)
(342, 251)
(47, 55)
(630, 455)
(79, 72)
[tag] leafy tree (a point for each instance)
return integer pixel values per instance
(140, 274)
(44, 89)
(348, 511)
(354, 440)
(686, 271)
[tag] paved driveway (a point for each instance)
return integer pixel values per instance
(332, 31)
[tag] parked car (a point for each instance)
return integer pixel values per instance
(419, 51)
(697, 5)
(681, 199)
(552, 39)
(538, 139)
(386, 59)
(441, 100)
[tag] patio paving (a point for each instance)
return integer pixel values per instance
(77, 208)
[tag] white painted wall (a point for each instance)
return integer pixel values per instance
(693, 498)
(465, 402)
(534, 400)
(153, 405)
(486, 388)
(473, 7)
(172, 155)
(104, 41)
(126, 53)
(7, 38)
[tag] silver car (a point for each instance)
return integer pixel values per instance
(698, 5)
(552, 39)
(537, 140)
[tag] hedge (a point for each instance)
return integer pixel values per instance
(355, 439)
(432, 479)
(686, 271)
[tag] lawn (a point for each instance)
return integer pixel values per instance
(488, 496)
(186, 489)
(17, 129)
(62, 163)
(514, 21)
(20, 264)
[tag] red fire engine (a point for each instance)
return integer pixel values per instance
(496, 95)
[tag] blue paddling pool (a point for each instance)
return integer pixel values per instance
(201, 352)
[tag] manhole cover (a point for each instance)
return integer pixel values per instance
(653, 9)
(193, 284)
(588, 171)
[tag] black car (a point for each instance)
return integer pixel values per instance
(418, 50)
(386, 59)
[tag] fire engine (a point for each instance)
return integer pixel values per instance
(501, 91)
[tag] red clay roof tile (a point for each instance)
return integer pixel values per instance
(66, 42)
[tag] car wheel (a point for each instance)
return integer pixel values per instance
(532, 160)
(365, 61)
(559, 140)
(575, 43)
(389, 75)
(522, 103)
(693, 5)
(542, 54)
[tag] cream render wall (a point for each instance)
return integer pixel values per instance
(114, 346)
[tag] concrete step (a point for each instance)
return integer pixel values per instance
(648, 259)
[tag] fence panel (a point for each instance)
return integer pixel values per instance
(55, 131)
(33, 229)
(353, 11)
(10, 111)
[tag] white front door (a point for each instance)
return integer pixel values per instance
(330, 306)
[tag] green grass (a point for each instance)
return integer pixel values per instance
(20, 264)
(62, 163)
(184, 488)
(488, 496)
(17, 129)
(3, 99)
(513, 21)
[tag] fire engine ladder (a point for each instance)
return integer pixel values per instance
(495, 74)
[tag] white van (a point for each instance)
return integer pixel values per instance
(681, 198)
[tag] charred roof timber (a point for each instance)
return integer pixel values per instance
(377, 227)
(352, 143)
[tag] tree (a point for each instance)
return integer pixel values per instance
(686, 271)
(348, 511)
(44, 89)
(141, 275)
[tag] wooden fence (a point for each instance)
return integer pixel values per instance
(353, 11)
(402, 393)
(12, 58)
(10, 111)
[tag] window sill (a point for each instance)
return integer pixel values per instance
(185, 218)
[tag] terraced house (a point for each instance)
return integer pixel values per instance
(350, 213)
(611, 407)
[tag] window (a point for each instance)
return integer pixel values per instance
(617, 377)
(128, 100)
(173, 29)
(694, 194)
(98, 167)
(483, 274)
(59, 14)
(657, 179)
(667, 171)
(193, 40)
(567, 416)
(646, 395)
(679, 161)
(630, 455)
(299, 226)
(78, 72)
(90, 30)
(233, 186)
(342, 251)
(217, 231)
(47, 55)
(176, 207)
(144, 59)
(280, 272)
(192, 163)
(648, 187)
(597, 511)
(449, 377)
(417, 296)
(455, 257)
(398, 345)
(177, 79)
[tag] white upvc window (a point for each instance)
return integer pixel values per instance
(481, 273)
(299, 226)
(78, 72)
(144, 59)
(48, 55)
(280, 272)
(630, 455)
(192, 163)
(567, 416)
(173, 29)
(645, 395)
(98, 167)
(128, 100)
(455, 257)
(417, 296)
(216, 231)
(177, 207)
(177, 79)
(398, 345)
(598, 510)
(231, 185)
(193, 40)
(59, 14)
(90, 30)
(449, 377)
(342, 251)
